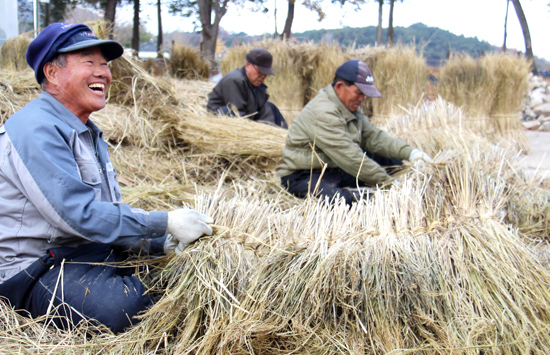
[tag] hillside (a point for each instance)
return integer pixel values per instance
(434, 42)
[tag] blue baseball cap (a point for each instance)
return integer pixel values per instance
(63, 38)
(359, 73)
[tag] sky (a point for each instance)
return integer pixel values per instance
(483, 19)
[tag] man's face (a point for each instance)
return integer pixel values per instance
(81, 85)
(350, 96)
(254, 76)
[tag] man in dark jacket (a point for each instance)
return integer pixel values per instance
(243, 90)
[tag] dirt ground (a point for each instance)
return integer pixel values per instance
(539, 157)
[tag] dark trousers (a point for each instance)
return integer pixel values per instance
(84, 290)
(333, 181)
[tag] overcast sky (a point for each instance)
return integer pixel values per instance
(483, 19)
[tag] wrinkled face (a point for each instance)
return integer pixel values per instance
(256, 78)
(82, 83)
(350, 96)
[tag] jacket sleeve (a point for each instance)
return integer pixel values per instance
(331, 137)
(378, 142)
(45, 170)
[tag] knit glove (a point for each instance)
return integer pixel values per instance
(171, 245)
(186, 226)
(418, 155)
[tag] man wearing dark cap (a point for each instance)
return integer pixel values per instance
(62, 224)
(332, 131)
(243, 90)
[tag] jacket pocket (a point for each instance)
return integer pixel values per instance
(87, 167)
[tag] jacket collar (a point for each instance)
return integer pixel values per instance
(64, 114)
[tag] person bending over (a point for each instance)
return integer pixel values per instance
(332, 129)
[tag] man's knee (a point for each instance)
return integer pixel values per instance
(98, 295)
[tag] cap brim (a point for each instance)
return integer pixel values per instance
(265, 71)
(369, 90)
(110, 49)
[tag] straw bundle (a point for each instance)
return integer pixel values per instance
(400, 74)
(442, 126)
(17, 88)
(13, 51)
(186, 63)
(494, 85)
(427, 268)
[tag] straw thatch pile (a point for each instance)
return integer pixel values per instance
(452, 260)
(493, 85)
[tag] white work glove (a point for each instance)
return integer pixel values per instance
(186, 226)
(418, 155)
(172, 245)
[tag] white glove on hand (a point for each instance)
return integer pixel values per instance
(417, 155)
(170, 244)
(186, 226)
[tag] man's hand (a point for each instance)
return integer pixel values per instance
(418, 155)
(186, 226)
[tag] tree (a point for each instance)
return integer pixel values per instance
(109, 9)
(505, 26)
(209, 28)
(110, 14)
(390, 24)
(289, 19)
(135, 31)
(209, 25)
(159, 36)
(526, 35)
(378, 41)
(313, 5)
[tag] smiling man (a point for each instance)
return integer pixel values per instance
(332, 129)
(243, 90)
(62, 225)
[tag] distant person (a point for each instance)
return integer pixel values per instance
(244, 90)
(63, 227)
(332, 129)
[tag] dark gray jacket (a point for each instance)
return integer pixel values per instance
(234, 89)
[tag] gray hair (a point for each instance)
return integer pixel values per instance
(59, 60)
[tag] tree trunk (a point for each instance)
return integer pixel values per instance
(47, 14)
(210, 29)
(289, 18)
(526, 35)
(160, 38)
(505, 27)
(109, 17)
(379, 28)
(390, 25)
(135, 30)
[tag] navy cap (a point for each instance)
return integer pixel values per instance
(359, 73)
(63, 38)
(262, 59)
